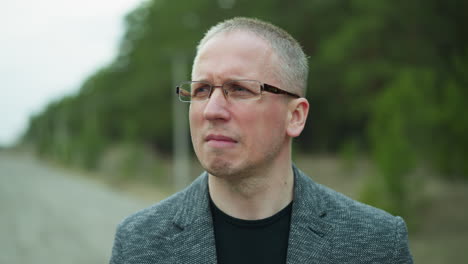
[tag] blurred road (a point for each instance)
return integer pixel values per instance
(49, 216)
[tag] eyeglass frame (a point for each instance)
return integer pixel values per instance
(263, 87)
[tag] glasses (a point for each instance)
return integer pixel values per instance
(237, 90)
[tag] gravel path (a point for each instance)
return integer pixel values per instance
(47, 216)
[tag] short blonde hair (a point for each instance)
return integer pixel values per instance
(294, 68)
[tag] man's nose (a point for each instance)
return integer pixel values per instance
(217, 105)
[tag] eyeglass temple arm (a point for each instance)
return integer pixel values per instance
(181, 91)
(276, 90)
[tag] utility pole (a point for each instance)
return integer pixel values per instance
(181, 158)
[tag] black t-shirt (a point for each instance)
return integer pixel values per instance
(251, 241)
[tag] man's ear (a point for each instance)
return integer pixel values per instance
(298, 109)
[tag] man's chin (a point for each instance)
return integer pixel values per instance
(220, 168)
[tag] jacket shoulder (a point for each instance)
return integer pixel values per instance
(365, 230)
(344, 208)
(157, 218)
(147, 235)
(162, 217)
(142, 236)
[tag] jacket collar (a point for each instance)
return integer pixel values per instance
(195, 243)
(310, 233)
(195, 201)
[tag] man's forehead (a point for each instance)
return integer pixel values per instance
(236, 47)
(238, 38)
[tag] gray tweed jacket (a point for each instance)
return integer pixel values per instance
(326, 227)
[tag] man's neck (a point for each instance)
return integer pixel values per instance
(255, 197)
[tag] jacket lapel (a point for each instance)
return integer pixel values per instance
(195, 243)
(310, 234)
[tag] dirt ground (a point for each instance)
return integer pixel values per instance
(52, 215)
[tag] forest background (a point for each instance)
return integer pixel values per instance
(387, 84)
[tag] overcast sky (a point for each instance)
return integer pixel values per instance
(48, 48)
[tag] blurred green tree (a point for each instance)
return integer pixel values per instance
(388, 77)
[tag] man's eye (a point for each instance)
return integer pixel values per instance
(201, 91)
(238, 88)
(240, 92)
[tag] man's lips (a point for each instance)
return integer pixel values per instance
(220, 138)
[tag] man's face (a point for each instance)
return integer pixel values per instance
(237, 137)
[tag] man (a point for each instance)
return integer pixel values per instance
(252, 205)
